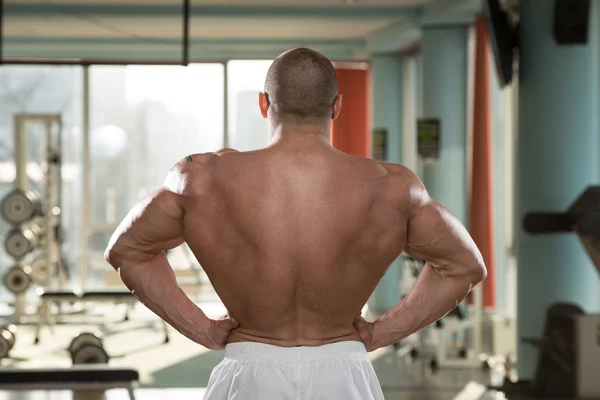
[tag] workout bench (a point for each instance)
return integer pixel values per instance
(80, 377)
(45, 316)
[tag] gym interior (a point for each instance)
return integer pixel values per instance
(494, 104)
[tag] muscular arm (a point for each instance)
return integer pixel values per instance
(137, 251)
(454, 266)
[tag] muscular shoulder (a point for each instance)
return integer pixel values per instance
(195, 170)
(201, 161)
(225, 151)
(406, 185)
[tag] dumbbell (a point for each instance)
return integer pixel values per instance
(7, 339)
(21, 241)
(87, 348)
(20, 206)
(17, 279)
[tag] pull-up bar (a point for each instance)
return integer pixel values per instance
(186, 32)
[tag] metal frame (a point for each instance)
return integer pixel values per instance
(52, 249)
(49, 319)
(96, 61)
(85, 179)
(52, 179)
(511, 136)
(20, 138)
(225, 104)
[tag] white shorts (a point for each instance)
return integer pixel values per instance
(260, 371)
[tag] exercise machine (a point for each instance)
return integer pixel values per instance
(570, 343)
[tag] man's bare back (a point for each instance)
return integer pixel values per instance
(294, 237)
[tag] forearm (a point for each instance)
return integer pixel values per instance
(431, 298)
(153, 282)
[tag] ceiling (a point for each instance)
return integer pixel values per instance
(219, 29)
(200, 28)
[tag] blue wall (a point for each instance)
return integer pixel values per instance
(386, 98)
(444, 63)
(557, 157)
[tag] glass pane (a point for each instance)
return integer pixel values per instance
(43, 90)
(144, 119)
(247, 127)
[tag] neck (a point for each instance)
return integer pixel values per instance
(282, 131)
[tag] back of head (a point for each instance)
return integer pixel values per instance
(301, 85)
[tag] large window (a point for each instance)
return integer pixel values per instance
(247, 128)
(144, 119)
(43, 90)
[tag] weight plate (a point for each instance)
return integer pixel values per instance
(12, 329)
(12, 340)
(19, 242)
(16, 280)
(9, 335)
(9, 327)
(83, 339)
(19, 206)
(4, 345)
(90, 353)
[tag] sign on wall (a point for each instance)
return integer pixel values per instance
(428, 137)
(380, 139)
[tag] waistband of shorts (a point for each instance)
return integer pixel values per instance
(341, 350)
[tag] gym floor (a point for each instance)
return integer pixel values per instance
(181, 364)
(161, 394)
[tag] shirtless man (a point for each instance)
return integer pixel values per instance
(294, 238)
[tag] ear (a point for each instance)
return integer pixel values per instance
(337, 106)
(263, 103)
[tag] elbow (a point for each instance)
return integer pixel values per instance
(478, 271)
(116, 250)
(109, 256)
(112, 256)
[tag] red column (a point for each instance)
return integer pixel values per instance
(481, 219)
(350, 131)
